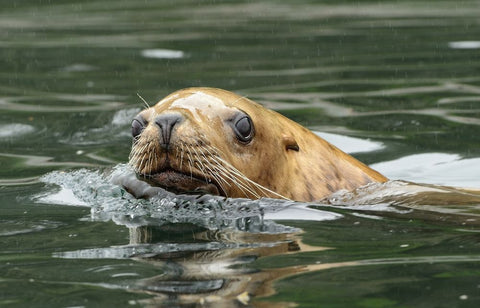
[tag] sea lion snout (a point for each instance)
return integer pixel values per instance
(166, 123)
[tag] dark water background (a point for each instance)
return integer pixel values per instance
(402, 73)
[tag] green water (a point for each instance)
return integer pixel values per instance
(388, 71)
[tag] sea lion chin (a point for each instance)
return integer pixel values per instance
(181, 183)
(207, 140)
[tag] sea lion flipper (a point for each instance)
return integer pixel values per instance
(137, 188)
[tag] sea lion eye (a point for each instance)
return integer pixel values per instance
(243, 128)
(138, 125)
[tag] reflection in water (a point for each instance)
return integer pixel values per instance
(206, 266)
(433, 168)
(78, 67)
(204, 249)
(350, 144)
(163, 54)
(464, 45)
(12, 227)
(216, 268)
(15, 130)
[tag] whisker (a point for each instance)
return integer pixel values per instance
(155, 156)
(235, 179)
(263, 188)
(141, 165)
(206, 159)
(181, 157)
(202, 168)
(238, 99)
(138, 156)
(190, 163)
(217, 178)
(240, 175)
(144, 101)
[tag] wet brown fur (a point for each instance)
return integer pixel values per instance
(271, 160)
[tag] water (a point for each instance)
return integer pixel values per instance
(399, 79)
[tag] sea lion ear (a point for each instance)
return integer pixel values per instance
(290, 143)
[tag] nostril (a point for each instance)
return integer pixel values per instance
(166, 123)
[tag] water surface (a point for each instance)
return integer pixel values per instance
(399, 79)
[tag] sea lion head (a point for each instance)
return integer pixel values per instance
(206, 140)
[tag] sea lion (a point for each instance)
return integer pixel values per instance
(208, 140)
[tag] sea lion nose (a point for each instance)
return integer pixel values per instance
(166, 123)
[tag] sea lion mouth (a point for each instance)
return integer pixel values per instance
(180, 183)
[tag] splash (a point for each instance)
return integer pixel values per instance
(109, 201)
